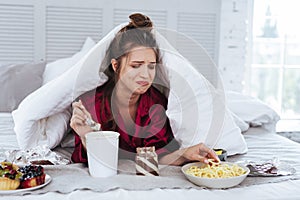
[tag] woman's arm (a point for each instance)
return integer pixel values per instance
(80, 128)
(78, 121)
(199, 152)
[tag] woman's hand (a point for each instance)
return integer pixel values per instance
(199, 152)
(78, 120)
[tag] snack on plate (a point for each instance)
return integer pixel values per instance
(146, 162)
(9, 176)
(216, 170)
(33, 175)
(12, 177)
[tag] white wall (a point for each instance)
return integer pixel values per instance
(234, 24)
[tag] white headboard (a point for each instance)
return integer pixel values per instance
(35, 30)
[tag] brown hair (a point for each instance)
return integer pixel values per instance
(136, 33)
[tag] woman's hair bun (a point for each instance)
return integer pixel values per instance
(139, 20)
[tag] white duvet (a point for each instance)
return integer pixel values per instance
(197, 111)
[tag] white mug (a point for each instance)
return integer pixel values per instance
(102, 151)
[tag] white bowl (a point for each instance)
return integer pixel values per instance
(214, 182)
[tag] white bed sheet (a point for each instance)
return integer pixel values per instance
(259, 141)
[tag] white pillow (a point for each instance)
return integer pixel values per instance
(56, 68)
(231, 139)
(52, 71)
(54, 129)
(240, 123)
(252, 111)
(195, 115)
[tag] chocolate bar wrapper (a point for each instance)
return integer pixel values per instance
(146, 161)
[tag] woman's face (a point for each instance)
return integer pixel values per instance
(137, 70)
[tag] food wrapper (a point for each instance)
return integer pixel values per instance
(269, 168)
(40, 155)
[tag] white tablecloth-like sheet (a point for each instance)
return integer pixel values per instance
(260, 143)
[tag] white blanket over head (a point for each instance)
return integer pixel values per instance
(196, 110)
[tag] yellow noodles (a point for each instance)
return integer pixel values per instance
(216, 170)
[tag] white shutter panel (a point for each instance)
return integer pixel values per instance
(68, 27)
(202, 28)
(16, 33)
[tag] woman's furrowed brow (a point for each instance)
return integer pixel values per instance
(141, 61)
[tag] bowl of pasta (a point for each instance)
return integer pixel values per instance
(215, 175)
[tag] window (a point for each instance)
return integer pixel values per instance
(275, 68)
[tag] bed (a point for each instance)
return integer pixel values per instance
(72, 181)
(262, 144)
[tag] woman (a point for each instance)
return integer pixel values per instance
(129, 104)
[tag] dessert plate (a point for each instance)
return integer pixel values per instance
(47, 181)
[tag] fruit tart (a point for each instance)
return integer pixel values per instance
(32, 175)
(9, 176)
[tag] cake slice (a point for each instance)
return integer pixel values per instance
(33, 175)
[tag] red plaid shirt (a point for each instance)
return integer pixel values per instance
(152, 127)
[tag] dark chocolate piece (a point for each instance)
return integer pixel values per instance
(41, 162)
